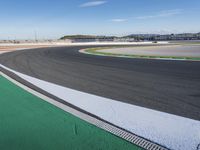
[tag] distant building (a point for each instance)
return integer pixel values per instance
(131, 38)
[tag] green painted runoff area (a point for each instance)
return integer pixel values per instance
(30, 123)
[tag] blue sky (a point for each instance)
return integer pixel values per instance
(19, 19)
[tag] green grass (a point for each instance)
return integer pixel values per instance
(30, 123)
(95, 51)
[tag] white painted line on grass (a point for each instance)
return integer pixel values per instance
(83, 51)
(174, 132)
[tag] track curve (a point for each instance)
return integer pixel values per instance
(169, 86)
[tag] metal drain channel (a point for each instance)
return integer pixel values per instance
(130, 137)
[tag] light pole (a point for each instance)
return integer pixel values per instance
(35, 32)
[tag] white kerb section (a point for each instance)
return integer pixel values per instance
(174, 132)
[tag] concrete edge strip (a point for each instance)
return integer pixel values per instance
(83, 51)
(130, 137)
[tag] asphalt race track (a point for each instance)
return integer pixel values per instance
(169, 86)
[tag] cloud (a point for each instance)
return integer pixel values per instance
(93, 3)
(118, 20)
(166, 13)
(170, 12)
